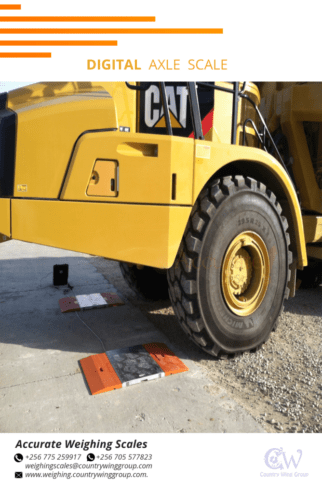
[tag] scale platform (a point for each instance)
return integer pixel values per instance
(128, 366)
(89, 301)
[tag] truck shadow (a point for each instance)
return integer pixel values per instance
(305, 302)
(161, 315)
(31, 315)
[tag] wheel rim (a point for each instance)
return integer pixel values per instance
(245, 273)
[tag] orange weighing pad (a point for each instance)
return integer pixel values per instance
(128, 366)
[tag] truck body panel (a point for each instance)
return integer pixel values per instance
(48, 127)
(146, 165)
(142, 234)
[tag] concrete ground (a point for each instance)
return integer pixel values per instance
(42, 388)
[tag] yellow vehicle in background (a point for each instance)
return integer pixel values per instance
(293, 111)
(174, 181)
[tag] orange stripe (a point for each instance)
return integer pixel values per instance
(206, 123)
(10, 7)
(25, 55)
(58, 43)
(165, 358)
(77, 19)
(110, 31)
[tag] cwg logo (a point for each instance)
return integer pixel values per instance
(275, 458)
(283, 464)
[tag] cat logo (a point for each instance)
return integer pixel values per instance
(152, 119)
(177, 101)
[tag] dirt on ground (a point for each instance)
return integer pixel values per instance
(280, 385)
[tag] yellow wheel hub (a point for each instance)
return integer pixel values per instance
(245, 273)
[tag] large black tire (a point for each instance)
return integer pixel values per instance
(226, 208)
(148, 283)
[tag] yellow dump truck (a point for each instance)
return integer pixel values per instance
(182, 183)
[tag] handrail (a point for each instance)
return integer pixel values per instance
(249, 120)
(242, 94)
(265, 129)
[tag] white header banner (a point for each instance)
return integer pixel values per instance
(160, 41)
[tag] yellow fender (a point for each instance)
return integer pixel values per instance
(224, 160)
